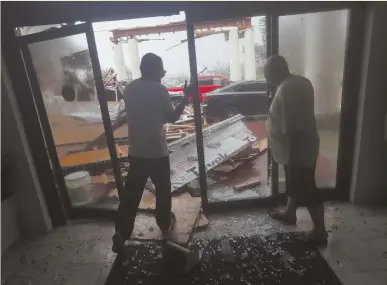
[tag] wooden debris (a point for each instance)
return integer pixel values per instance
(186, 209)
(174, 137)
(181, 126)
(88, 157)
(242, 157)
(261, 145)
(102, 179)
(231, 164)
(247, 185)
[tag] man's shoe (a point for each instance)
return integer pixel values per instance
(118, 244)
(172, 224)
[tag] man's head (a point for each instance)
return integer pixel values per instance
(275, 70)
(152, 67)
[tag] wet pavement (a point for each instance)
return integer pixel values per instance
(81, 253)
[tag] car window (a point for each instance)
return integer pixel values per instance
(260, 86)
(228, 88)
(220, 81)
(206, 81)
(251, 87)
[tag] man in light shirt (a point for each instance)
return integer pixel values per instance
(148, 108)
(294, 142)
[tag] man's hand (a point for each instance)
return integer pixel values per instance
(187, 89)
(175, 115)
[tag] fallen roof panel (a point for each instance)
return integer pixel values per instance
(221, 141)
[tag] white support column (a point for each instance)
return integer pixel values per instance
(134, 59)
(119, 62)
(250, 64)
(324, 58)
(235, 66)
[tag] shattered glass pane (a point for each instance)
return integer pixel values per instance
(66, 79)
(234, 106)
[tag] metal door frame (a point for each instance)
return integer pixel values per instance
(87, 30)
(272, 48)
(194, 13)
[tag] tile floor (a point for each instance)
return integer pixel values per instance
(81, 253)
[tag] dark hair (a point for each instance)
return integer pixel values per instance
(150, 66)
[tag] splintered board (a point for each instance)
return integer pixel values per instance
(90, 157)
(186, 209)
(261, 145)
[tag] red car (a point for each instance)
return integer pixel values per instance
(207, 83)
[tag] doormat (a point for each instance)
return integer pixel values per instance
(266, 260)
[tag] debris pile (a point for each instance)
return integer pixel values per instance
(228, 145)
(184, 126)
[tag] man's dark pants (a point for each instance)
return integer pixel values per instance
(140, 169)
(301, 185)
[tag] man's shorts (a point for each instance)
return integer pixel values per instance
(301, 185)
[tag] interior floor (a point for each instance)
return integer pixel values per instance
(80, 253)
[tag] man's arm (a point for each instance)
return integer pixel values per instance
(174, 115)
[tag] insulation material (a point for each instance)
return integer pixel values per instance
(93, 113)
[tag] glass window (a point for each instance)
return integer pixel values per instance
(249, 87)
(237, 50)
(66, 79)
(220, 81)
(206, 81)
(313, 50)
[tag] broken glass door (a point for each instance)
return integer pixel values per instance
(131, 39)
(234, 114)
(65, 76)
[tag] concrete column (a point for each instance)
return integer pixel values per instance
(235, 65)
(119, 62)
(250, 64)
(325, 37)
(134, 59)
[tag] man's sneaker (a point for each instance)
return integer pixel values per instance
(118, 244)
(172, 219)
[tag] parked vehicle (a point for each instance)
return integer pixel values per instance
(207, 83)
(245, 97)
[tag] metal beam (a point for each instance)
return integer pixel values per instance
(197, 113)
(179, 27)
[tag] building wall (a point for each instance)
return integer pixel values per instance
(369, 181)
(21, 181)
